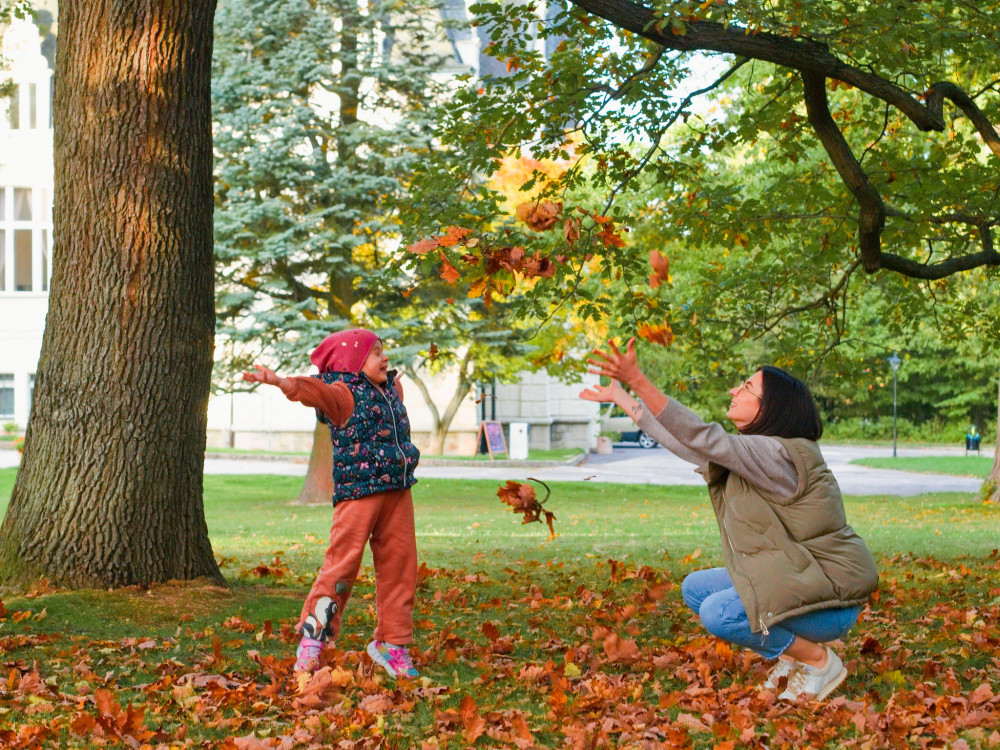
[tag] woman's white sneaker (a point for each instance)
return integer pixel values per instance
(815, 683)
(782, 668)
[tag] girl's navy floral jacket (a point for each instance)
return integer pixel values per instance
(372, 452)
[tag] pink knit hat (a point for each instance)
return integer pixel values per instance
(344, 351)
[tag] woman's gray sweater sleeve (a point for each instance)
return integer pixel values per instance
(759, 459)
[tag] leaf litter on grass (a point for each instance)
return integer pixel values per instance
(512, 653)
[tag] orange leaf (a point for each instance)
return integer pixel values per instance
(540, 215)
(474, 724)
(692, 557)
(571, 230)
(661, 268)
(448, 272)
(477, 287)
(423, 246)
(656, 334)
(452, 236)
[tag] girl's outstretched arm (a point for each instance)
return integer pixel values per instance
(264, 375)
(333, 399)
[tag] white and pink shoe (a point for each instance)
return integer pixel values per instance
(394, 659)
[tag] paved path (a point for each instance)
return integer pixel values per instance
(633, 465)
(629, 464)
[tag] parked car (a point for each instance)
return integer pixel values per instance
(614, 419)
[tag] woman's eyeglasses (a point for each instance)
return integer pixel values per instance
(745, 386)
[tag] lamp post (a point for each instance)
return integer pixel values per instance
(894, 362)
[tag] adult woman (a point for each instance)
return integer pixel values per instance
(796, 575)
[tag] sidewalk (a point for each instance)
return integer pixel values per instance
(629, 464)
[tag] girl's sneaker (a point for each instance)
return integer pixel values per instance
(394, 659)
(307, 655)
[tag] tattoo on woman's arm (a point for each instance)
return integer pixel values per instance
(636, 410)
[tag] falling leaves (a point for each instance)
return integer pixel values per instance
(661, 269)
(521, 498)
(656, 334)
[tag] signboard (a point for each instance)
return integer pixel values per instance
(494, 437)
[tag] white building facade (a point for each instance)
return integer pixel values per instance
(263, 419)
(26, 174)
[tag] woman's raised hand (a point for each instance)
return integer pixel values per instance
(263, 375)
(603, 393)
(615, 364)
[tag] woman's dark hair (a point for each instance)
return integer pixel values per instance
(787, 408)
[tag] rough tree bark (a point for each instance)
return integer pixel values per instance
(991, 487)
(109, 492)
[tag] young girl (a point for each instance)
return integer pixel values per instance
(796, 574)
(358, 397)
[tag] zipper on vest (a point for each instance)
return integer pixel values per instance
(395, 435)
(760, 620)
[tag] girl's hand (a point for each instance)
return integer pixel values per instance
(603, 393)
(616, 365)
(263, 375)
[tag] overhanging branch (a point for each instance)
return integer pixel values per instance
(815, 64)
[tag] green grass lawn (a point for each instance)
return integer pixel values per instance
(962, 466)
(522, 633)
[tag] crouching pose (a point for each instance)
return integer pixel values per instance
(357, 396)
(796, 575)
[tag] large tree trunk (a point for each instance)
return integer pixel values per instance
(991, 487)
(109, 492)
(318, 486)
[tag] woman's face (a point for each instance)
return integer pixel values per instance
(746, 400)
(376, 367)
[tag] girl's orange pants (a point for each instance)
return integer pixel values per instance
(385, 521)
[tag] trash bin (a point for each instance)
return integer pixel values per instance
(519, 440)
(972, 438)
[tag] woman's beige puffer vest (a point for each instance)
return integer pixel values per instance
(794, 555)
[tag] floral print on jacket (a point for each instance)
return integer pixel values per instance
(372, 452)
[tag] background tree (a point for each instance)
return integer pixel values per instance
(846, 175)
(467, 342)
(321, 109)
(109, 492)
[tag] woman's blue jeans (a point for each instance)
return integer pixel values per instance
(711, 594)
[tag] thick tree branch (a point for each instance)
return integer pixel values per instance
(816, 64)
(988, 256)
(871, 220)
(799, 54)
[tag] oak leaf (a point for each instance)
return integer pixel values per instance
(540, 215)
(423, 246)
(521, 498)
(656, 334)
(448, 272)
(661, 268)
(452, 236)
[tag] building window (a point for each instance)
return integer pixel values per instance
(14, 111)
(25, 239)
(6, 396)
